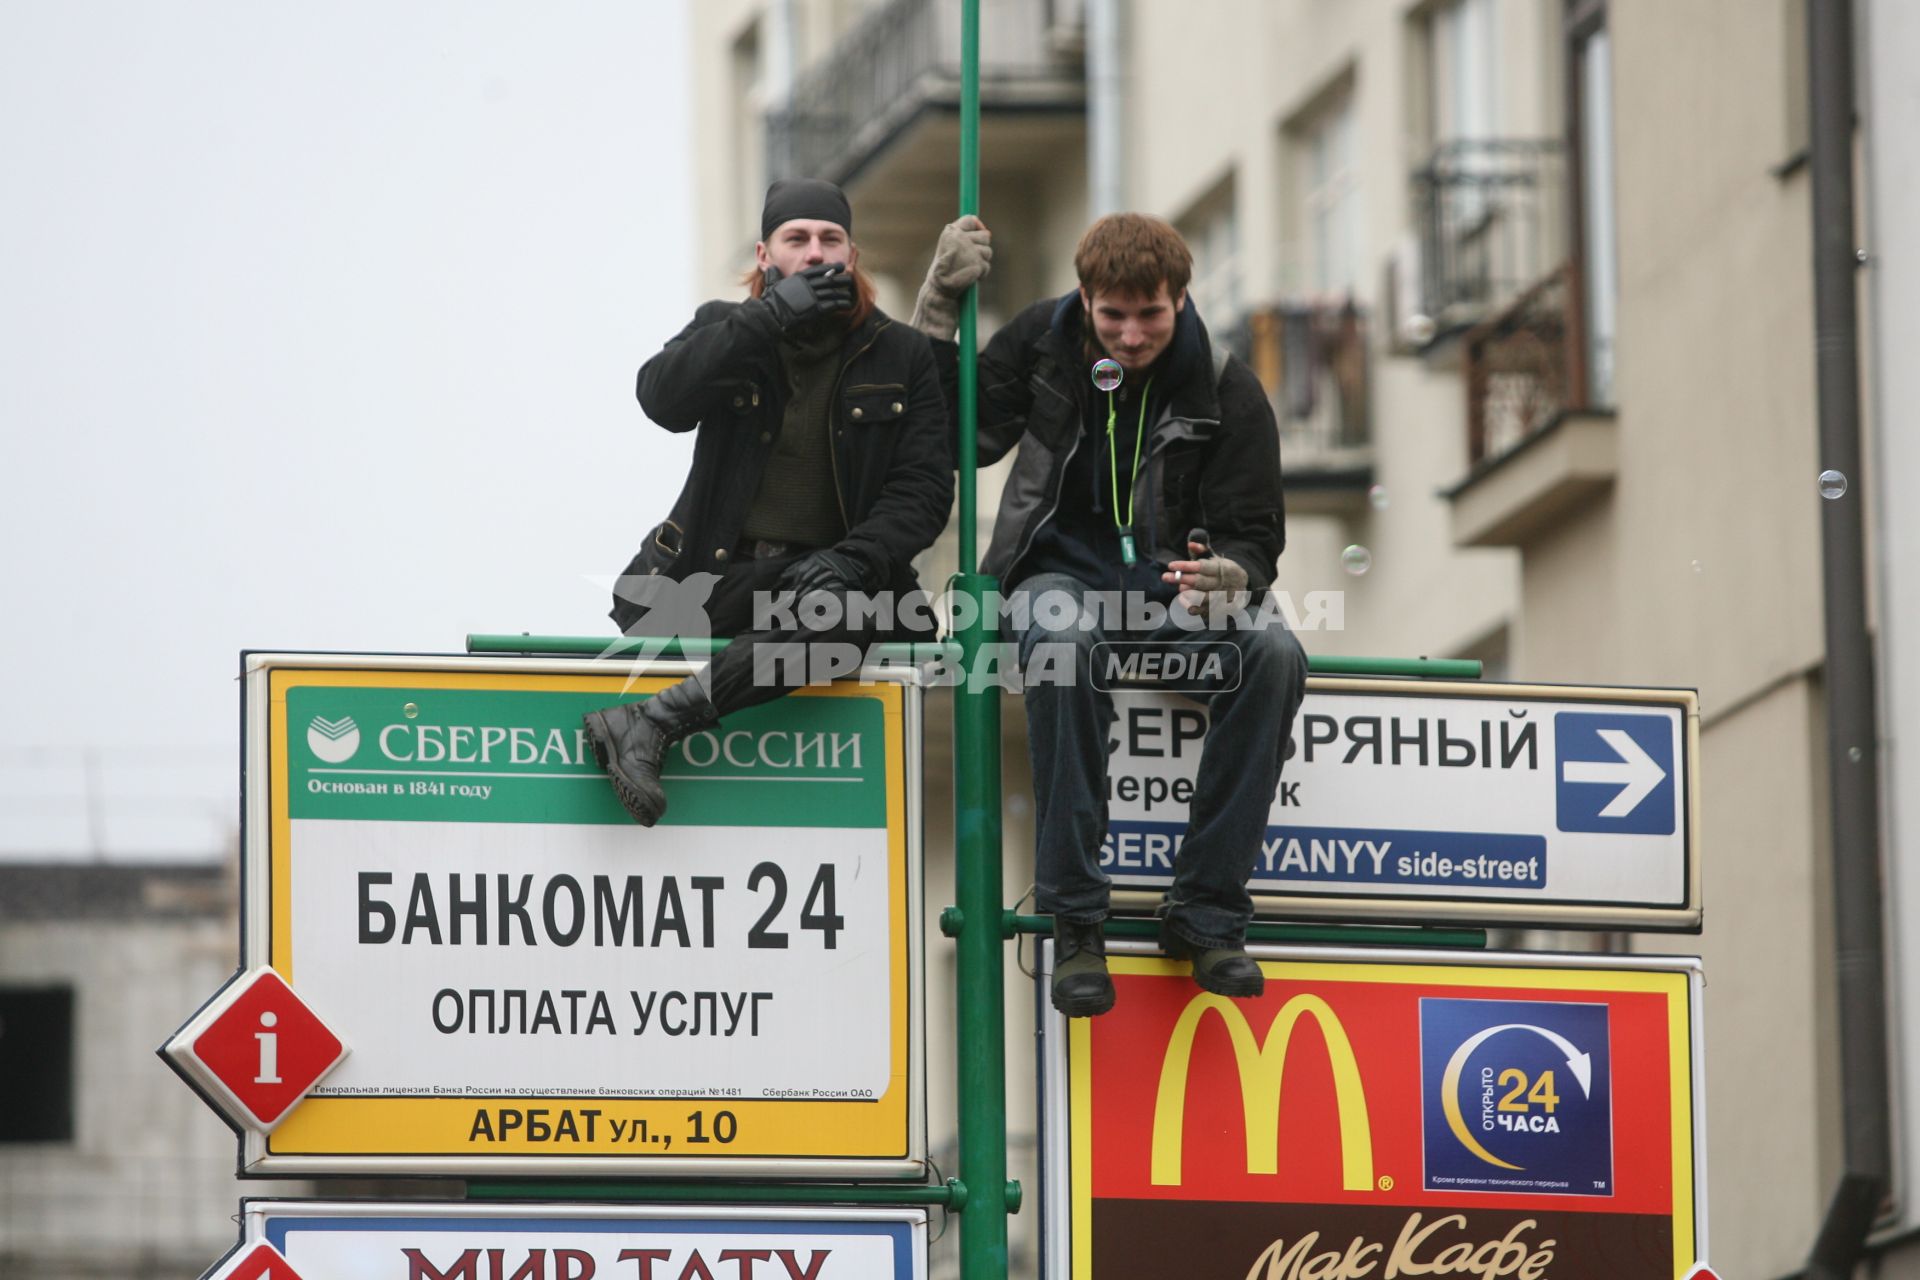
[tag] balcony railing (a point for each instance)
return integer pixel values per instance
(1491, 217)
(1312, 359)
(905, 55)
(1523, 368)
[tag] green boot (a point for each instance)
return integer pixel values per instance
(1082, 987)
(1225, 971)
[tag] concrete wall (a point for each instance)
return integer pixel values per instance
(1889, 43)
(147, 1187)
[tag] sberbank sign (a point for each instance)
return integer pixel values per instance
(475, 755)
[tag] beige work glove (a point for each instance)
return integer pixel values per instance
(963, 257)
(1209, 583)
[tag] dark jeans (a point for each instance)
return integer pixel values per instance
(1068, 727)
(761, 663)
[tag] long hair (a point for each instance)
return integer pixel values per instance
(865, 296)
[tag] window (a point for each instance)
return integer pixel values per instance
(749, 129)
(1488, 208)
(36, 1064)
(1212, 230)
(1461, 103)
(1590, 62)
(1327, 209)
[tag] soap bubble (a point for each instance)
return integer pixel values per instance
(1107, 374)
(1377, 497)
(1356, 559)
(1833, 484)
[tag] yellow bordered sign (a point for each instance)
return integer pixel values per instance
(1374, 1115)
(535, 985)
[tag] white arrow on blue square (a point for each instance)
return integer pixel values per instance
(1614, 773)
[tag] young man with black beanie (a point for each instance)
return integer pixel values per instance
(1148, 473)
(821, 464)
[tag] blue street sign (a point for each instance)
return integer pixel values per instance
(1615, 773)
(1433, 801)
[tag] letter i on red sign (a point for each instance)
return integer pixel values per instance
(254, 1049)
(269, 1051)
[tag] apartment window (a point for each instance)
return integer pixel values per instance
(1590, 98)
(749, 128)
(36, 1064)
(1327, 209)
(1488, 208)
(1461, 103)
(1212, 230)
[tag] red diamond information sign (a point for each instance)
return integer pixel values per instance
(254, 1050)
(262, 1262)
(1703, 1272)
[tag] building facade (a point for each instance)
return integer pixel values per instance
(1530, 284)
(108, 1165)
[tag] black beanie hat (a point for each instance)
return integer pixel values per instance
(792, 198)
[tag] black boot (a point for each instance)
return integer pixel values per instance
(631, 739)
(1082, 987)
(1225, 971)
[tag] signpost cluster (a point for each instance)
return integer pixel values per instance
(697, 1051)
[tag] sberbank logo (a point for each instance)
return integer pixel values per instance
(334, 741)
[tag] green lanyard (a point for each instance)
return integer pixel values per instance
(1128, 556)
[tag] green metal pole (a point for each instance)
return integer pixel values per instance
(981, 1033)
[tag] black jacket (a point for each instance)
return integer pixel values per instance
(721, 376)
(1212, 453)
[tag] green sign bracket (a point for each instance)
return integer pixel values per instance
(951, 1195)
(953, 920)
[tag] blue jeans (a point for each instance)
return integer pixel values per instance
(1068, 727)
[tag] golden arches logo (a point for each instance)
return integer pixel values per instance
(1262, 1066)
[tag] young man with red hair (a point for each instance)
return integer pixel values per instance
(1161, 489)
(820, 464)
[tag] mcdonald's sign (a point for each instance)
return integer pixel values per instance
(1262, 1069)
(1303, 1133)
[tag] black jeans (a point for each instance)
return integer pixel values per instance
(773, 634)
(1068, 726)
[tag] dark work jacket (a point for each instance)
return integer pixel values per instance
(1211, 459)
(721, 377)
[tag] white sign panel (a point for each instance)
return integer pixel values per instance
(333, 1240)
(531, 982)
(1430, 801)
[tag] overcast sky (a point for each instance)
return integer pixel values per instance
(318, 326)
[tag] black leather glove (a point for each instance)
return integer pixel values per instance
(823, 571)
(820, 290)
